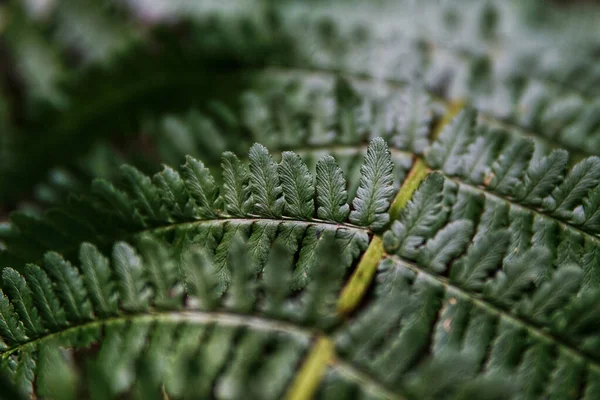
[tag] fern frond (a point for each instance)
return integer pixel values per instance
(235, 284)
(436, 322)
(11, 327)
(145, 195)
(513, 174)
(523, 82)
(514, 260)
(413, 120)
(552, 294)
(174, 194)
(134, 294)
(45, 298)
(588, 215)
(166, 201)
(448, 243)
(69, 283)
(484, 257)
(143, 314)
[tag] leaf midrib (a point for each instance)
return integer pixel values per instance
(202, 317)
(253, 219)
(224, 219)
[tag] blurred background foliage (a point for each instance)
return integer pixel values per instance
(87, 85)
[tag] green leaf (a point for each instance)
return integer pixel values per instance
(576, 185)
(331, 191)
(11, 327)
(199, 277)
(375, 191)
(71, 289)
(510, 166)
(452, 143)
(45, 299)
(277, 280)
(321, 292)
(413, 121)
(552, 294)
(161, 272)
(201, 186)
(541, 177)
(97, 278)
(264, 183)
(236, 188)
(173, 193)
(490, 285)
(134, 295)
(447, 244)
(240, 293)
(22, 301)
(482, 258)
(117, 201)
(517, 275)
(482, 153)
(55, 378)
(419, 220)
(588, 215)
(144, 193)
(297, 185)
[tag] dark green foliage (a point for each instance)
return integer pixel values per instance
(265, 190)
(236, 190)
(138, 82)
(512, 173)
(375, 191)
(206, 59)
(541, 177)
(459, 252)
(144, 310)
(417, 142)
(419, 220)
(8, 390)
(455, 248)
(297, 185)
(331, 191)
(448, 243)
(508, 265)
(452, 143)
(201, 186)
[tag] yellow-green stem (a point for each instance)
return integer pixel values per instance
(309, 378)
